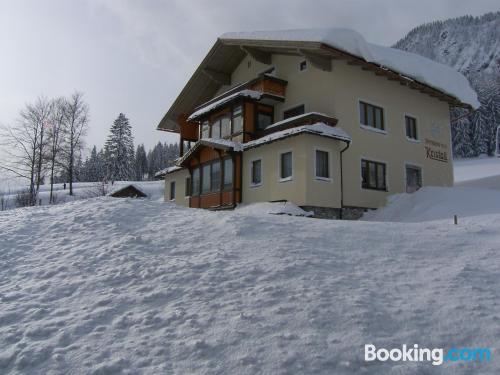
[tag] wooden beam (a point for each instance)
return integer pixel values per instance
(219, 77)
(318, 61)
(258, 55)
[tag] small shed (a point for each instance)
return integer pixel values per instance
(129, 191)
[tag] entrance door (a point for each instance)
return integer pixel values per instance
(413, 179)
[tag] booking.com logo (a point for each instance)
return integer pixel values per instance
(413, 353)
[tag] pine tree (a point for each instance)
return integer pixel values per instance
(141, 163)
(119, 150)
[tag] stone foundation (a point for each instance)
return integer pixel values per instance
(348, 213)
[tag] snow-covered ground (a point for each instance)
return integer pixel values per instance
(81, 190)
(141, 286)
(478, 172)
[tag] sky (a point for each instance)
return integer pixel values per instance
(135, 56)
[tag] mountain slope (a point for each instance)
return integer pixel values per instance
(471, 45)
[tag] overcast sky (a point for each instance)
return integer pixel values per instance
(135, 56)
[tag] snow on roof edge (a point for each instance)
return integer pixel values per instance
(422, 69)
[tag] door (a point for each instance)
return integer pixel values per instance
(413, 179)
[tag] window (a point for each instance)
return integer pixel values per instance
(264, 119)
(256, 178)
(228, 173)
(286, 166)
(295, 111)
(195, 190)
(172, 190)
(372, 116)
(225, 127)
(303, 65)
(373, 175)
(187, 191)
(413, 178)
(215, 129)
(215, 176)
(205, 130)
(411, 127)
(322, 168)
(237, 119)
(205, 178)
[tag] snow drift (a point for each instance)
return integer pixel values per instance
(136, 286)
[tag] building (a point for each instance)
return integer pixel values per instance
(318, 117)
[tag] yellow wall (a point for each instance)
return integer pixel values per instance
(180, 187)
(337, 93)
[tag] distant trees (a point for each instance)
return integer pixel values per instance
(46, 145)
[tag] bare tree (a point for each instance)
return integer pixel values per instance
(76, 118)
(54, 139)
(24, 145)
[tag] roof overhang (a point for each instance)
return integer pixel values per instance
(216, 68)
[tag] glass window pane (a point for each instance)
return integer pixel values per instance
(263, 120)
(172, 190)
(215, 129)
(380, 176)
(187, 191)
(205, 179)
(225, 127)
(228, 173)
(286, 165)
(216, 176)
(362, 117)
(238, 124)
(205, 129)
(364, 173)
(378, 118)
(322, 169)
(372, 175)
(256, 172)
(196, 182)
(370, 121)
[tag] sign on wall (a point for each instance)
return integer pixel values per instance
(436, 150)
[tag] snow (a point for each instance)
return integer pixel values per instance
(273, 208)
(419, 68)
(437, 203)
(83, 190)
(167, 170)
(145, 287)
(235, 146)
(317, 128)
(294, 118)
(244, 93)
(475, 168)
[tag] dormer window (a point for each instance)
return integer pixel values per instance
(303, 65)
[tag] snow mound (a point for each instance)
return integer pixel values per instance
(274, 208)
(408, 64)
(437, 203)
(134, 286)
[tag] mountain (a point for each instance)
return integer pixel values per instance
(471, 45)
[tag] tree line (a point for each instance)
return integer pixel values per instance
(46, 145)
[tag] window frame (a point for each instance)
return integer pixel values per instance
(367, 104)
(172, 191)
(410, 165)
(198, 191)
(259, 110)
(415, 119)
(252, 184)
(377, 163)
(306, 66)
(187, 187)
(329, 164)
(223, 173)
(280, 155)
(292, 108)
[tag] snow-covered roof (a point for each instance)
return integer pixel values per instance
(318, 128)
(224, 144)
(167, 170)
(416, 67)
(243, 93)
(295, 118)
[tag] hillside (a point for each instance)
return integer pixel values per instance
(107, 285)
(471, 45)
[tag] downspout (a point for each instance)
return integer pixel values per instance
(348, 143)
